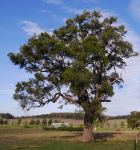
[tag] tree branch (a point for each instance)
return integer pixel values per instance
(69, 98)
(116, 80)
(105, 100)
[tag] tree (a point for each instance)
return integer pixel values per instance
(37, 122)
(19, 121)
(44, 122)
(50, 122)
(32, 122)
(83, 57)
(5, 122)
(25, 122)
(1, 121)
(134, 120)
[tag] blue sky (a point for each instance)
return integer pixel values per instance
(21, 19)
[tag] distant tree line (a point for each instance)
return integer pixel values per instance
(118, 117)
(77, 116)
(65, 115)
(6, 116)
(32, 121)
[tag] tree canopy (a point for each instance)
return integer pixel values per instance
(134, 120)
(77, 63)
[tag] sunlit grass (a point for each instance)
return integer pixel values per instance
(38, 139)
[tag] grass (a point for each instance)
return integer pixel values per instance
(65, 145)
(37, 139)
(138, 145)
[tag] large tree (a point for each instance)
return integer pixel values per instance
(77, 63)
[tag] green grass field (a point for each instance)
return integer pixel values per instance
(37, 139)
(63, 145)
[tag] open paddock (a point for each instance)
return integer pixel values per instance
(38, 139)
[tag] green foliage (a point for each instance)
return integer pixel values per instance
(19, 121)
(106, 88)
(66, 115)
(44, 122)
(32, 122)
(26, 122)
(1, 121)
(134, 120)
(49, 122)
(37, 122)
(5, 121)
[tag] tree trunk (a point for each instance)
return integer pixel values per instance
(88, 127)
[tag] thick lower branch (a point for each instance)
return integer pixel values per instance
(67, 97)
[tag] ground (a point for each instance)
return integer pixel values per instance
(38, 139)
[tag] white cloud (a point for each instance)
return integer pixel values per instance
(107, 13)
(53, 2)
(68, 9)
(31, 27)
(72, 10)
(134, 8)
(89, 1)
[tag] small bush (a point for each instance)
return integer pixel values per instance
(50, 122)
(19, 121)
(32, 122)
(1, 121)
(44, 122)
(122, 124)
(37, 122)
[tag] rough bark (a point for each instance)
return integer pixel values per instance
(88, 128)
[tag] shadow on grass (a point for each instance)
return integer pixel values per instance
(106, 135)
(69, 136)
